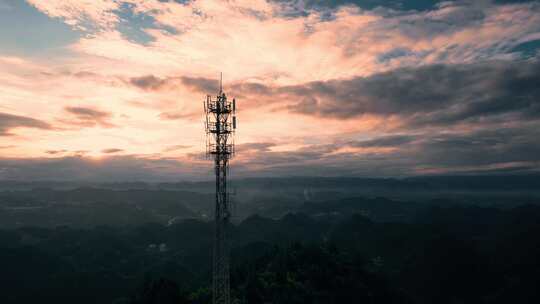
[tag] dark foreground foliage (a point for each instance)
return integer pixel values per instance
(311, 274)
(445, 255)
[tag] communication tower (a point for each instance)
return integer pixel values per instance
(220, 126)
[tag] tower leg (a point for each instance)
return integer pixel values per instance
(221, 275)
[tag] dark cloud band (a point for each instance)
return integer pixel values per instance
(10, 121)
(88, 117)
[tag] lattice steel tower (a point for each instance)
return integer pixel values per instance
(220, 126)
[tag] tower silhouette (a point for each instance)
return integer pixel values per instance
(220, 126)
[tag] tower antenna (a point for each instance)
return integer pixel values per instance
(220, 83)
(220, 127)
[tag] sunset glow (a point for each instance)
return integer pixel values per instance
(114, 89)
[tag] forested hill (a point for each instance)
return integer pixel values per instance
(451, 254)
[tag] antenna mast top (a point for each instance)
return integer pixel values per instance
(220, 83)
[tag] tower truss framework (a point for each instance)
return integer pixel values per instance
(220, 126)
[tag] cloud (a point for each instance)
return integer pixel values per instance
(514, 149)
(344, 87)
(149, 82)
(362, 30)
(435, 94)
(176, 148)
(201, 84)
(111, 150)
(64, 152)
(484, 150)
(177, 115)
(80, 152)
(82, 15)
(9, 122)
(54, 152)
(500, 150)
(304, 6)
(385, 141)
(255, 146)
(197, 84)
(89, 117)
(85, 74)
(87, 113)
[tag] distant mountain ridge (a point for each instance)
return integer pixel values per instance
(431, 182)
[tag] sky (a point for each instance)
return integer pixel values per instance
(113, 90)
